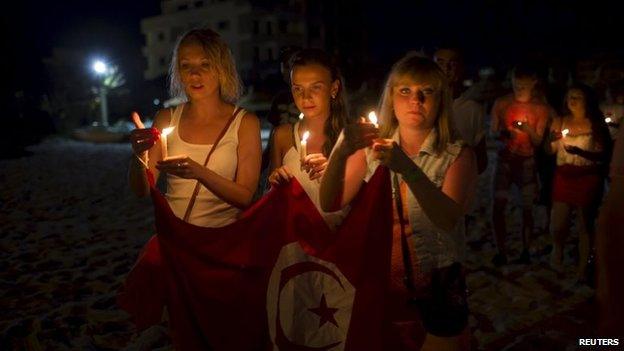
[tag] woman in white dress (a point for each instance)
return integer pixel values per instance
(318, 92)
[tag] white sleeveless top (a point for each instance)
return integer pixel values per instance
(584, 141)
(311, 187)
(209, 210)
(434, 248)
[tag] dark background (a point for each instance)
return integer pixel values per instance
(492, 33)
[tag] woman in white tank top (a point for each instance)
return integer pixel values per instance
(203, 72)
(318, 93)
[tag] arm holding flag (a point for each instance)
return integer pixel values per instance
(444, 207)
(347, 166)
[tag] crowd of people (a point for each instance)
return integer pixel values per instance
(431, 135)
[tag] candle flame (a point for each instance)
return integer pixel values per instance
(305, 136)
(565, 132)
(301, 115)
(167, 131)
(372, 117)
(608, 119)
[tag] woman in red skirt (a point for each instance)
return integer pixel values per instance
(582, 145)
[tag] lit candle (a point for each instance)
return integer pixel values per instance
(519, 123)
(304, 143)
(372, 117)
(608, 120)
(565, 132)
(163, 141)
(301, 116)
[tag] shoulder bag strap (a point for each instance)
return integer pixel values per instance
(405, 250)
(191, 203)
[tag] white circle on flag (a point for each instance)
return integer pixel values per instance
(309, 302)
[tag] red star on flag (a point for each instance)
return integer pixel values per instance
(326, 313)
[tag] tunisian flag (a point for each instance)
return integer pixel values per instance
(277, 279)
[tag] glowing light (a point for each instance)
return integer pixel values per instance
(565, 132)
(99, 67)
(372, 117)
(301, 116)
(304, 143)
(163, 141)
(608, 120)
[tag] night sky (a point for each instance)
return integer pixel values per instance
(490, 31)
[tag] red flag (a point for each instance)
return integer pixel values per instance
(278, 278)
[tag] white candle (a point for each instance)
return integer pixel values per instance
(565, 132)
(372, 117)
(163, 141)
(304, 143)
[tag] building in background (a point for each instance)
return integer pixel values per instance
(254, 30)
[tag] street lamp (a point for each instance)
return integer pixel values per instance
(101, 69)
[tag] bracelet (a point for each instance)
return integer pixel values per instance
(143, 163)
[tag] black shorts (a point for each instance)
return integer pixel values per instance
(444, 309)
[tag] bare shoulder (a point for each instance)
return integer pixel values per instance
(283, 132)
(162, 118)
(250, 120)
(467, 155)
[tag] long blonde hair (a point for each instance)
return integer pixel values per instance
(418, 69)
(220, 59)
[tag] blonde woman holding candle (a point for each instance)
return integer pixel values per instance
(434, 177)
(582, 145)
(301, 150)
(202, 72)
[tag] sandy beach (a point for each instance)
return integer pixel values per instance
(70, 231)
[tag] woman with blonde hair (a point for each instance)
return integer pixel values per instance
(433, 177)
(205, 187)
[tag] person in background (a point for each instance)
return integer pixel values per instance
(468, 115)
(613, 107)
(582, 144)
(610, 250)
(518, 121)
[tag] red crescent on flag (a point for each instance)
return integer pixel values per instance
(287, 275)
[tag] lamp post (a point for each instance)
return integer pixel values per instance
(102, 70)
